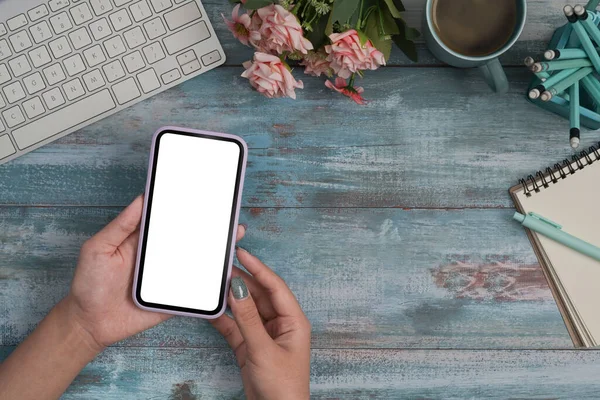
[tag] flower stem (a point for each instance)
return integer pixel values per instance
(351, 83)
(359, 22)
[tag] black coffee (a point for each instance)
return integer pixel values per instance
(474, 27)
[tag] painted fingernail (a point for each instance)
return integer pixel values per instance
(239, 288)
(240, 248)
(245, 226)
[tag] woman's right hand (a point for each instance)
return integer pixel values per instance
(269, 333)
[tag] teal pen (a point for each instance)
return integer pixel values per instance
(574, 115)
(551, 81)
(586, 42)
(565, 64)
(554, 231)
(565, 83)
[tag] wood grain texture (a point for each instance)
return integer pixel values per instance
(429, 138)
(194, 374)
(385, 278)
(544, 16)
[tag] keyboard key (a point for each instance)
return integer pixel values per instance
(13, 116)
(6, 146)
(4, 74)
(170, 76)
(56, 5)
(2, 104)
(211, 58)
(2, 29)
(40, 32)
(33, 107)
(61, 120)
(120, 20)
(186, 37)
(14, 92)
(148, 81)
(60, 47)
(93, 80)
(155, 28)
(81, 14)
(100, 29)
(113, 71)
(2, 129)
(94, 55)
(161, 5)
(34, 83)
(73, 89)
(38, 12)
(114, 46)
(119, 3)
(54, 74)
(53, 98)
(140, 11)
(40, 57)
(154, 53)
(20, 41)
(4, 50)
(134, 37)
(134, 62)
(19, 66)
(186, 57)
(101, 7)
(80, 38)
(17, 22)
(191, 67)
(183, 15)
(126, 91)
(60, 23)
(74, 65)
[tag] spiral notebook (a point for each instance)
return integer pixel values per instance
(569, 194)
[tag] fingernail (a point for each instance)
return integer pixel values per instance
(245, 226)
(239, 288)
(240, 248)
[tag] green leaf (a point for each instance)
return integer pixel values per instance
(399, 5)
(407, 46)
(317, 35)
(363, 37)
(343, 10)
(389, 24)
(329, 26)
(405, 31)
(393, 9)
(381, 43)
(256, 4)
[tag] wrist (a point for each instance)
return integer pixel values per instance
(79, 337)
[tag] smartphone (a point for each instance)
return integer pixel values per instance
(189, 224)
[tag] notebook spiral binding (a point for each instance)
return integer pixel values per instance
(543, 179)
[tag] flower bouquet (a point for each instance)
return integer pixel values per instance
(342, 38)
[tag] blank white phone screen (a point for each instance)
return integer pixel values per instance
(190, 217)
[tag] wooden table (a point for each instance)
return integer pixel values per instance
(390, 222)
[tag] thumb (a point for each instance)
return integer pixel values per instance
(246, 315)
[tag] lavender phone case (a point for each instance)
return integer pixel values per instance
(233, 234)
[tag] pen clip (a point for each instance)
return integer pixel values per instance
(546, 220)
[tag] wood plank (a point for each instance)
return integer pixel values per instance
(387, 278)
(429, 138)
(543, 18)
(189, 374)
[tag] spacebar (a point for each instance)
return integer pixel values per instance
(63, 119)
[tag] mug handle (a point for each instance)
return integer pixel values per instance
(494, 75)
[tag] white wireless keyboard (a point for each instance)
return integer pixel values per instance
(65, 64)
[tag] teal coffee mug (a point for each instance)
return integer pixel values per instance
(458, 19)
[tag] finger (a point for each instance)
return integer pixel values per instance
(241, 232)
(260, 296)
(227, 327)
(246, 315)
(121, 227)
(283, 300)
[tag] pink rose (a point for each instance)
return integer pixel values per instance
(241, 27)
(281, 31)
(348, 56)
(270, 76)
(315, 63)
(342, 87)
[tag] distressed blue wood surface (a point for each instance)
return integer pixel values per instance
(391, 223)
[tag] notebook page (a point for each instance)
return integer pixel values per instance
(574, 203)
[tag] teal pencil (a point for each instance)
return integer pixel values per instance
(564, 54)
(588, 24)
(565, 83)
(574, 114)
(592, 90)
(551, 81)
(592, 4)
(586, 43)
(558, 65)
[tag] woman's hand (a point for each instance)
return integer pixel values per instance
(100, 297)
(270, 334)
